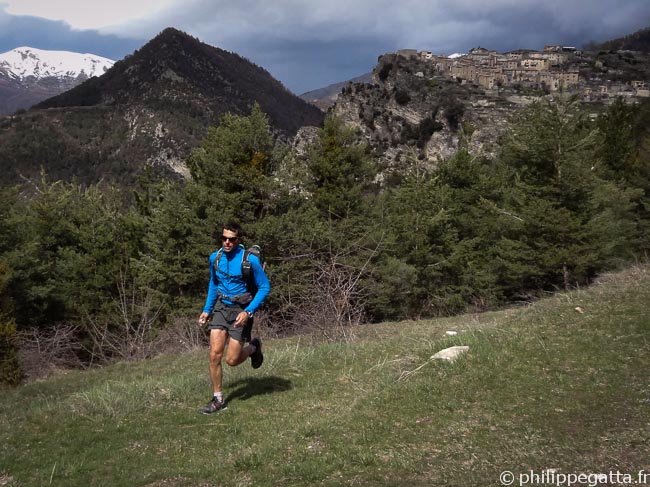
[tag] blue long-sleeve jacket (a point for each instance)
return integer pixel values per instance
(227, 280)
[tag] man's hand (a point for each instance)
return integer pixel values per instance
(203, 319)
(241, 320)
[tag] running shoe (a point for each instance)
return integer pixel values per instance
(213, 406)
(257, 357)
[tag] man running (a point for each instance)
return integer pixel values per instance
(233, 306)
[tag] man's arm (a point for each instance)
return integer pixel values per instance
(211, 298)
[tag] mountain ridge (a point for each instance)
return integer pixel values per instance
(178, 66)
(23, 62)
(154, 106)
(29, 75)
(326, 96)
(149, 109)
(637, 41)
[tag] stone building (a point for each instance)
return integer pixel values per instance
(489, 69)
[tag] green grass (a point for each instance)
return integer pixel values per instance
(542, 386)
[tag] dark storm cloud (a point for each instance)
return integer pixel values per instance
(308, 65)
(532, 25)
(309, 44)
(17, 31)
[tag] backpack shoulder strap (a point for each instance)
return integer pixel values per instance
(215, 263)
(246, 268)
(217, 259)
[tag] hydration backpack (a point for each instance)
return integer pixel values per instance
(247, 268)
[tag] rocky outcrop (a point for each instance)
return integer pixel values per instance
(411, 112)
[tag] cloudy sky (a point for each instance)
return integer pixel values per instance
(308, 44)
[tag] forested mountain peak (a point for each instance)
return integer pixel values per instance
(176, 67)
(150, 109)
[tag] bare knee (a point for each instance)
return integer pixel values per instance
(232, 361)
(215, 357)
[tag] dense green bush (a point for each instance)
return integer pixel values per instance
(10, 370)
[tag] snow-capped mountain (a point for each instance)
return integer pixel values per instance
(29, 75)
(28, 61)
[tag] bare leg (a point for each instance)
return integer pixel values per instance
(237, 353)
(218, 339)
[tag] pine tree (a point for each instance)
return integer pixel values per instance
(556, 191)
(69, 244)
(231, 168)
(10, 370)
(625, 155)
(172, 262)
(340, 170)
(418, 239)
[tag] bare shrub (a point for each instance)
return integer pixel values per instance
(333, 304)
(130, 337)
(42, 352)
(6, 480)
(266, 326)
(182, 335)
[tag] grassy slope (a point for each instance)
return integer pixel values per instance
(541, 387)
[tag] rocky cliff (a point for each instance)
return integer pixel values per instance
(410, 112)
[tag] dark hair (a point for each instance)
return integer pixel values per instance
(234, 227)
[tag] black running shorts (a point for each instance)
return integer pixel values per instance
(224, 319)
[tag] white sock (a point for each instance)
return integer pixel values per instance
(219, 396)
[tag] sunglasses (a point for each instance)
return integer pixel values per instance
(229, 239)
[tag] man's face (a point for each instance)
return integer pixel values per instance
(229, 240)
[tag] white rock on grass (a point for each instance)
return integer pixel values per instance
(450, 354)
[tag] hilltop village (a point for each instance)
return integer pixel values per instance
(555, 69)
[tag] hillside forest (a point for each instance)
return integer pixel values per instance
(99, 271)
